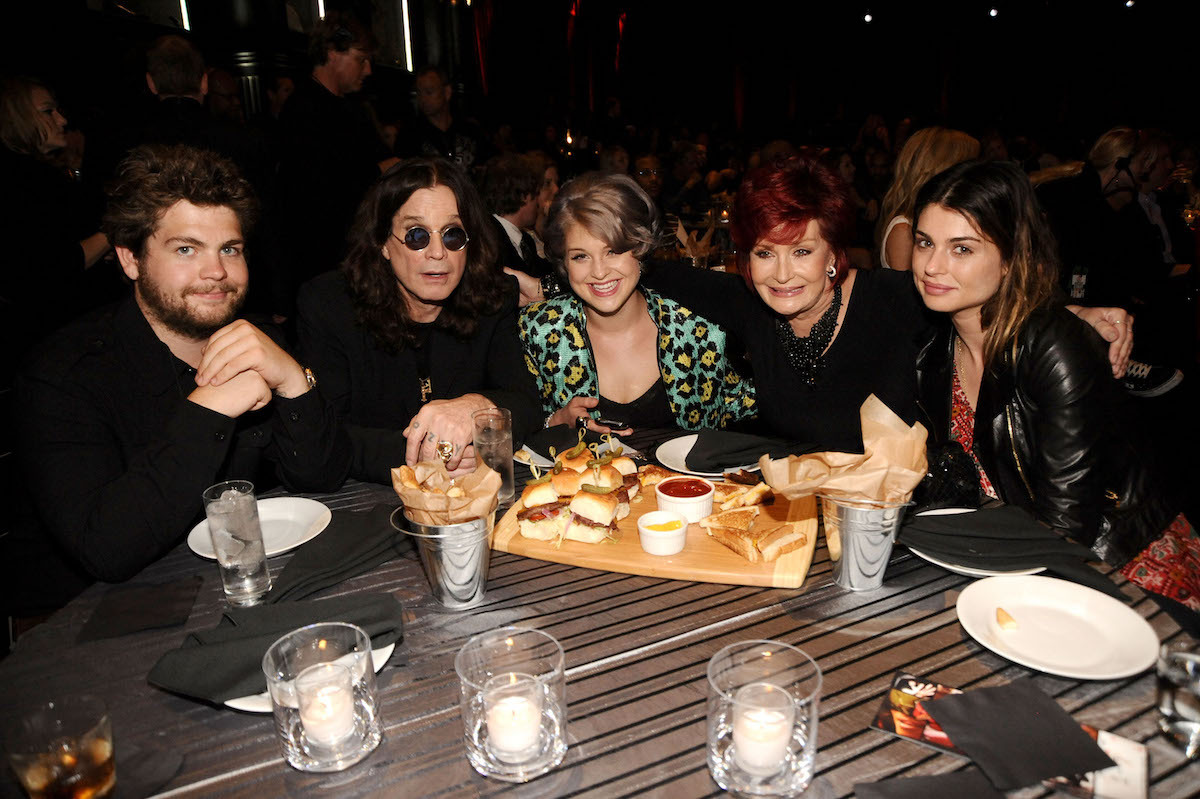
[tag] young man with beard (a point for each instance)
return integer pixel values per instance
(128, 414)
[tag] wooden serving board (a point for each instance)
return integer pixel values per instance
(702, 559)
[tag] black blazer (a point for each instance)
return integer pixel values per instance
(509, 256)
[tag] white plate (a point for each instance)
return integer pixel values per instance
(1063, 628)
(967, 571)
(287, 522)
(673, 454)
(261, 703)
(540, 461)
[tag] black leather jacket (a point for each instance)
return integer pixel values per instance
(1052, 434)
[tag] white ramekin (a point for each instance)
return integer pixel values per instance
(691, 508)
(662, 542)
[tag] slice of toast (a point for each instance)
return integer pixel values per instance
(723, 492)
(755, 496)
(740, 541)
(737, 519)
(652, 474)
(781, 540)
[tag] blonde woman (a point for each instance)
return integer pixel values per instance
(926, 153)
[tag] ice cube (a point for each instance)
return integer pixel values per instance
(227, 545)
(229, 495)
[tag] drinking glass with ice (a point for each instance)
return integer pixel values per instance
(232, 513)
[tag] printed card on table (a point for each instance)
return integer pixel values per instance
(902, 714)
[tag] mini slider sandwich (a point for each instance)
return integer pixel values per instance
(629, 474)
(607, 477)
(576, 458)
(593, 516)
(545, 515)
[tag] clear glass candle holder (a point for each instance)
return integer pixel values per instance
(514, 703)
(762, 718)
(322, 686)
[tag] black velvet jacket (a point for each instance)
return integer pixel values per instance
(1052, 434)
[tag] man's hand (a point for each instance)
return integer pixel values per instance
(246, 391)
(1115, 325)
(444, 420)
(241, 347)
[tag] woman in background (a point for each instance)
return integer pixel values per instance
(1023, 386)
(926, 153)
(50, 238)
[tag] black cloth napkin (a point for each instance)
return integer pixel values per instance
(142, 772)
(960, 784)
(717, 450)
(354, 543)
(1004, 538)
(134, 607)
(225, 662)
(1017, 735)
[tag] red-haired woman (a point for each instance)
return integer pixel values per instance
(833, 335)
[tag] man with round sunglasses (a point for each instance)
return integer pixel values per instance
(417, 331)
(453, 238)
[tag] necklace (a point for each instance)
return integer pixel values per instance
(805, 353)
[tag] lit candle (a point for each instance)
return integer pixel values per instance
(514, 716)
(326, 698)
(762, 727)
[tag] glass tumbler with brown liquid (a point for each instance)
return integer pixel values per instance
(64, 750)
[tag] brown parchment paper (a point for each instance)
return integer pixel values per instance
(891, 466)
(438, 502)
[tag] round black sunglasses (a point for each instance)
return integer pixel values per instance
(454, 238)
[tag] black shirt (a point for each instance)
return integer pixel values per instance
(116, 457)
(378, 392)
(874, 352)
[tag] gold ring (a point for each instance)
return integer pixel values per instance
(444, 450)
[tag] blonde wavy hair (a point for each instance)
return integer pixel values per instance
(926, 153)
(23, 129)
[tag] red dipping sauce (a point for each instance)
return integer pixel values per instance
(684, 488)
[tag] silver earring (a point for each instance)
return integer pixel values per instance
(831, 270)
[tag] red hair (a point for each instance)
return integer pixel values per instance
(777, 202)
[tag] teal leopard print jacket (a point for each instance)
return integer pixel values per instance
(703, 388)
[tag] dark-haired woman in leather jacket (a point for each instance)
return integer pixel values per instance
(1023, 385)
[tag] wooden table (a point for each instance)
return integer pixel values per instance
(636, 650)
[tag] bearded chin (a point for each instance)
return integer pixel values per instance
(177, 316)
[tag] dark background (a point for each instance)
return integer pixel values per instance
(750, 71)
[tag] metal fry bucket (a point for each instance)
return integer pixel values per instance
(455, 558)
(866, 532)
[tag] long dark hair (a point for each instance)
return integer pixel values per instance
(997, 198)
(373, 285)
